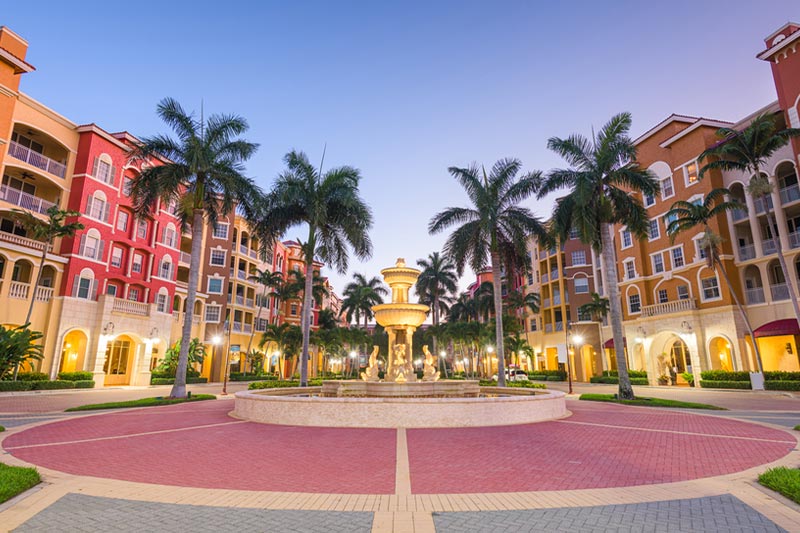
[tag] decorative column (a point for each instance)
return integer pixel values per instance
(755, 228)
(141, 371)
(99, 374)
(780, 216)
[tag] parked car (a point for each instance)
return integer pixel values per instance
(514, 374)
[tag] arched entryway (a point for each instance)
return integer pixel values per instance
(587, 363)
(670, 357)
(73, 351)
(611, 353)
(120, 354)
(777, 343)
(720, 354)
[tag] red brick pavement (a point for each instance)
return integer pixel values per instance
(564, 455)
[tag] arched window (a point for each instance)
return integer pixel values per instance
(165, 268)
(170, 236)
(84, 285)
(91, 246)
(103, 169)
(97, 206)
(161, 300)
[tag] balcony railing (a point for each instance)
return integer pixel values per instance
(759, 204)
(248, 302)
(254, 254)
(44, 294)
(24, 200)
(754, 295)
(790, 194)
(779, 292)
(794, 239)
(36, 159)
(557, 300)
(130, 307)
(237, 326)
(548, 328)
(185, 258)
(554, 274)
(545, 278)
(22, 241)
(768, 246)
(748, 251)
(19, 290)
(738, 214)
(248, 328)
(559, 326)
(546, 302)
(243, 249)
(241, 274)
(239, 300)
(667, 308)
(178, 317)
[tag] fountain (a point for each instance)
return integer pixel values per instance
(399, 399)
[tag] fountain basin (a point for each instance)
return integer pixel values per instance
(307, 407)
(400, 314)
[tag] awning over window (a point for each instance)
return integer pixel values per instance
(787, 326)
(610, 342)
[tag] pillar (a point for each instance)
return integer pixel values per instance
(99, 375)
(755, 228)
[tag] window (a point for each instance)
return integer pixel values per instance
(530, 277)
(103, 171)
(690, 172)
(702, 251)
(170, 236)
(218, 257)
(658, 263)
(662, 296)
(83, 286)
(91, 246)
(111, 290)
(634, 303)
(116, 257)
(581, 285)
(579, 257)
(117, 358)
(122, 221)
(97, 208)
(677, 257)
(533, 324)
(666, 188)
(212, 313)
(221, 231)
(654, 232)
(293, 310)
(668, 219)
(137, 264)
(630, 269)
(133, 294)
(215, 285)
(161, 302)
(627, 240)
(165, 270)
(710, 288)
(649, 200)
(141, 229)
(127, 183)
(683, 292)
(573, 233)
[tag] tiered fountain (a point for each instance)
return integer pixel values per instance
(399, 399)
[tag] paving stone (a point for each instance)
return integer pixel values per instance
(719, 513)
(78, 513)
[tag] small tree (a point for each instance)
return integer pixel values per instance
(196, 354)
(18, 347)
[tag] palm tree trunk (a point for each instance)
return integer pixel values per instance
(179, 388)
(721, 269)
(782, 261)
(36, 285)
(498, 328)
(308, 299)
(609, 265)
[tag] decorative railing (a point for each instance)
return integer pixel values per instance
(35, 159)
(239, 300)
(243, 249)
(794, 239)
(22, 241)
(559, 326)
(19, 290)
(738, 214)
(754, 295)
(248, 302)
(790, 194)
(759, 203)
(237, 326)
(545, 278)
(185, 258)
(44, 294)
(130, 307)
(254, 254)
(241, 274)
(768, 246)
(548, 328)
(748, 251)
(248, 328)
(779, 292)
(667, 308)
(24, 200)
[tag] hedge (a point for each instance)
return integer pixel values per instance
(238, 376)
(560, 377)
(782, 385)
(714, 384)
(614, 380)
(631, 373)
(171, 381)
(84, 384)
(280, 384)
(782, 376)
(7, 386)
(724, 375)
(53, 385)
(75, 376)
(32, 376)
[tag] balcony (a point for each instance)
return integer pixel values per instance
(548, 328)
(559, 326)
(747, 251)
(780, 291)
(241, 274)
(790, 194)
(545, 278)
(237, 326)
(769, 246)
(44, 294)
(546, 302)
(794, 239)
(19, 290)
(243, 249)
(24, 200)
(185, 258)
(248, 302)
(35, 159)
(239, 300)
(130, 307)
(738, 214)
(178, 317)
(759, 204)
(554, 275)
(254, 254)
(754, 295)
(667, 308)
(248, 328)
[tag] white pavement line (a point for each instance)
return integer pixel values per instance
(114, 437)
(692, 433)
(402, 474)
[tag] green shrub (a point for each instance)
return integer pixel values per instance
(724, 375)
(53, 385)
(537, 377)
(782, 385)
(169, 381)
(75, 376)
(84, 384)
(562, 377)
(688, 377)
(614, 380)
(238, 376)
(526, 385)
(8, 386)
(631, 373)
(715, 384)
(781, 376)
(16, 480)
(784, 480)
(32, 376)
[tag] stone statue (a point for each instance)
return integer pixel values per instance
(429, 372)
(401, 370)
(371, 373)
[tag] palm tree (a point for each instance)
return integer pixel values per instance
(268, 280)
(45, 231)
(318, 289)
(748, 151)
(283, 291)
(598, 310)
(337, 218)
(437, 280)
(285, 338)
(687, 216)
(202, 174)
(517, 301)
(494, 227)
(360, 295)
(463, 309)
(603, 170)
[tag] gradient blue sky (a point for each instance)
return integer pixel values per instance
(401, 90)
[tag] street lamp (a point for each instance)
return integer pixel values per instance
(352, 362)
(227, 361)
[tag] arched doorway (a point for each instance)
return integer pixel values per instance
(120, 354)
(680, 361)
(73, 351)
(720, 354)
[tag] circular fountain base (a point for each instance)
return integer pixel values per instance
(437, 404)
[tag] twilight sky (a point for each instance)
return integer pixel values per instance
(401, 89)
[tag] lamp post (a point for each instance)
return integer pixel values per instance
(568, 331)
(443, 361)
(227, 361)
(216, 340)
(352, 362)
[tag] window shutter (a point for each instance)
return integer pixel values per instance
(106, 210)
(94, 167)
(111, 176)
(82, 246)
(93, 295)
(89, 201)
(99, 253)
(75, 283)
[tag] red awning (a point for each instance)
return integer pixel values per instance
(610, 343)
(787, 326)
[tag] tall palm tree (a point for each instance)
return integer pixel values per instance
(597, 309)
(268, 280)
(494, 228)
(748, 151)
(203, 175)
(463, 309)
(518, 301)
(436, 281)
(360, 295)
(45, 231)
(318, 289)
(285, 338)
(688, 216)
(603, 170)
(337, 218)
